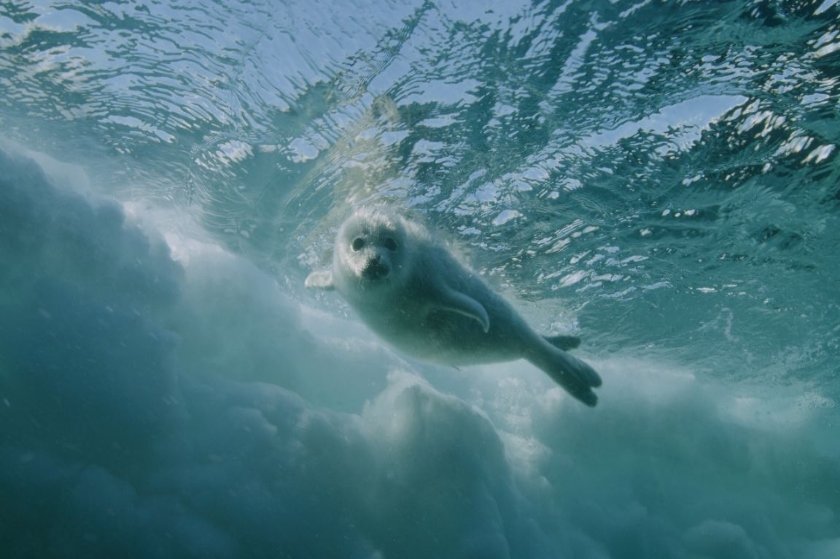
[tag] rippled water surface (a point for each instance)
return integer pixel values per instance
(661, 178)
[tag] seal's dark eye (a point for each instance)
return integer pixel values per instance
(358, 243)
(390, 244)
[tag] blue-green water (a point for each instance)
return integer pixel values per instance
(660, 178)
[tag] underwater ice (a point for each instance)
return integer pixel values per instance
(168, 399)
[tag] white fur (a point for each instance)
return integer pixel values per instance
(417, 296)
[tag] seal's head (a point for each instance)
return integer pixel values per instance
(371, 250)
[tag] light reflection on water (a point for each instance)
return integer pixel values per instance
(655, 157)
(660, 178)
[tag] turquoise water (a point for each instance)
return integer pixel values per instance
(659, 178)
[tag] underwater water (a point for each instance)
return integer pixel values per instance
(660, 178)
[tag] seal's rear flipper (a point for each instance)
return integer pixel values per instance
(563, 342)
(575, 376)
(320, 280)
(584, 395)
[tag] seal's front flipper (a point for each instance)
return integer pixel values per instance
(320, 280)
(563, 342)
(457, 302)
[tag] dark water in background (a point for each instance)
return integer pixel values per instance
(660, 177)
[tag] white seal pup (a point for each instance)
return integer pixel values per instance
(417, 296)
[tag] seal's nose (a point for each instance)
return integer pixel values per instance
(376, 268)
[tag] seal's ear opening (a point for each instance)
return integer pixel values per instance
(322, 279)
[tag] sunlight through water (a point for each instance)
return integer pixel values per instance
(658, 178)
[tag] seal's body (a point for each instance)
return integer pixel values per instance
(417, 296)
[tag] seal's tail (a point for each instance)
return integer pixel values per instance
(563, 342)
(575, 376)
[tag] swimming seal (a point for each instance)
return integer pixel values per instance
(417, 296)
